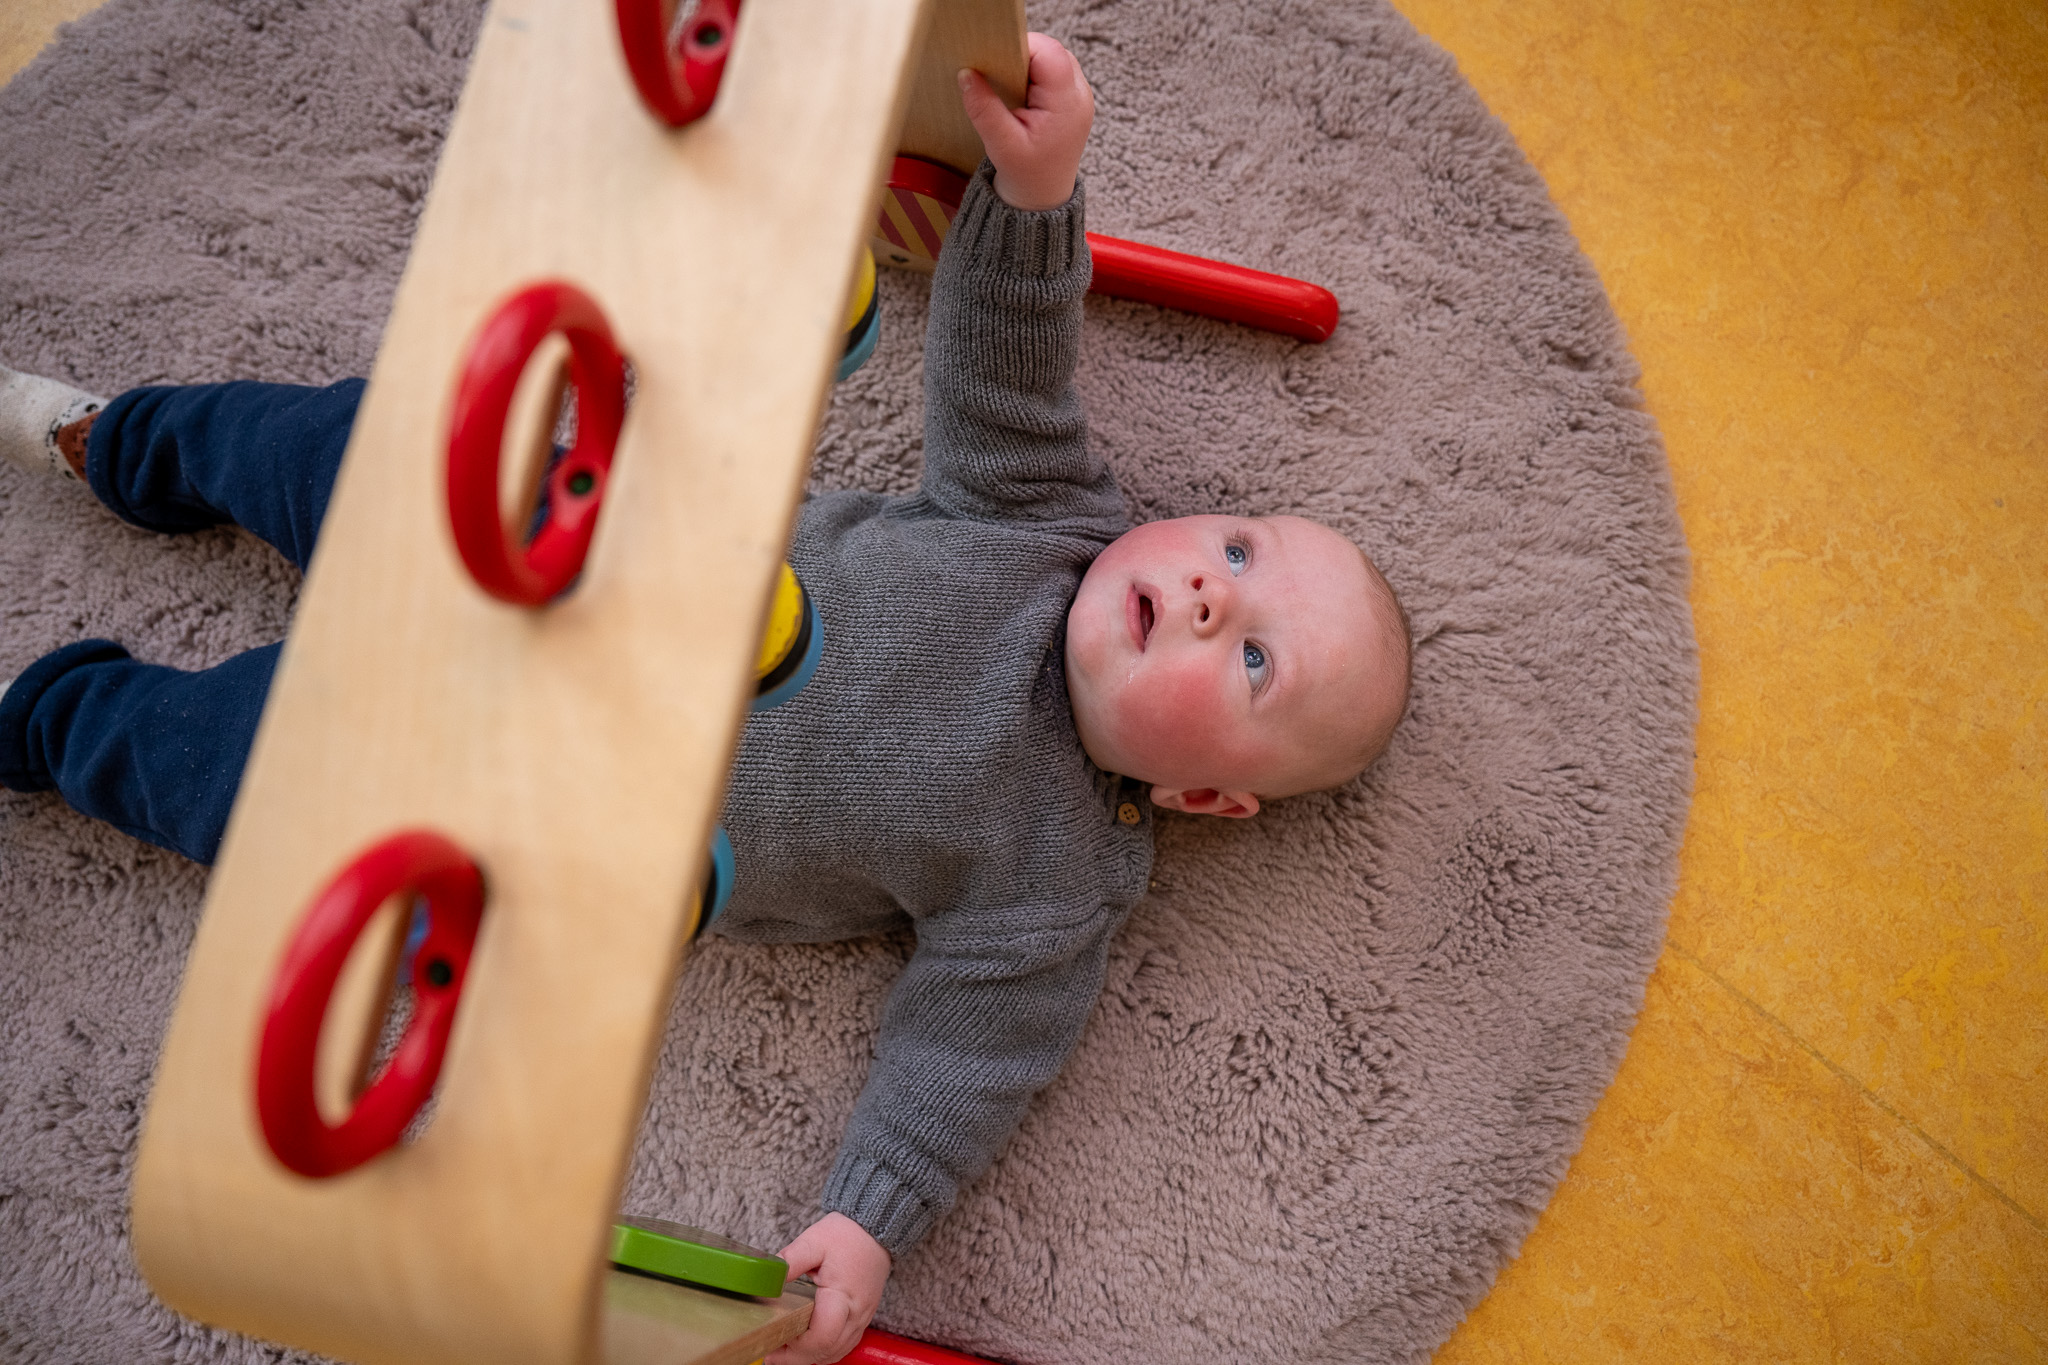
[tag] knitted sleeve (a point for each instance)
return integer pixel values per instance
(1004, 434)
(981, 1019)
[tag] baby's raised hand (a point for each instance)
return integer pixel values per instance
(850, 1268)
(1036, 149)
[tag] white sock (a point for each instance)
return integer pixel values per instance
(32, 411)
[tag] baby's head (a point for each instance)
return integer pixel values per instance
(1228, 659)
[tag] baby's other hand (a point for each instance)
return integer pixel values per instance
(850, 1268)
(1036, 149)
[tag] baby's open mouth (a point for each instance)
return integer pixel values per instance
(1138, 616)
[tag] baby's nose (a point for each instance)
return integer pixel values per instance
(1213, 596)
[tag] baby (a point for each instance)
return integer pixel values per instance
(1012, 678)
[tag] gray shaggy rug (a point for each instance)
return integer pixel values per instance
(1346, 1049)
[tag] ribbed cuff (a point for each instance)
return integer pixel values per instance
(1034, 244)
(871, 1195)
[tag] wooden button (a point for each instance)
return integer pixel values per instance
(1129, 813)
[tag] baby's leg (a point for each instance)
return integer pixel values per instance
(156, 752)
(261, 456)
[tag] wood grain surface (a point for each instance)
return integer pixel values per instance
(659, 1322)
(987, 35)
(578, 752)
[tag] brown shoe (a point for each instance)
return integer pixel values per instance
(70, 440)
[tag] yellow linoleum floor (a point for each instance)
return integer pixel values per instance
(1825, 225)
(26, 25)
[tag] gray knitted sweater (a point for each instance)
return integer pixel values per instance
(931, 769)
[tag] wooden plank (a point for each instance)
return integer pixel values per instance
(987, 35)
(658, 1322)
(578, 752)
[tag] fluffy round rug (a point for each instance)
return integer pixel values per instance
(1346, 1049)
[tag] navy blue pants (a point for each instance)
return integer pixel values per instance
(158, 752)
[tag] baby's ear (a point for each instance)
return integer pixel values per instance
(1207, 801)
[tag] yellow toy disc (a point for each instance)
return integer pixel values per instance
(786, 616)
(863, 290)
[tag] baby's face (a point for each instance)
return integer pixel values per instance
(1221, 654)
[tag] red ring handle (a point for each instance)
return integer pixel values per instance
(677, 74)
(416, 860)
(533, 575)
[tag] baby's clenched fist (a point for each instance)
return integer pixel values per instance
(1037, 148)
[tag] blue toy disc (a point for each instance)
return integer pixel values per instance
(864, 344)
(718, 886)
(814, 650)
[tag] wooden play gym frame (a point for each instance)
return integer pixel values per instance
(574, 753)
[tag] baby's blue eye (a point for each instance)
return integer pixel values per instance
(1236, 558)
(1255, 664)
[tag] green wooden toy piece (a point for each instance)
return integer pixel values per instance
(655, 1246)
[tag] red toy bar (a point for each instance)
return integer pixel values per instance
(1214, 289)
(923, 197)
(886, 1348)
